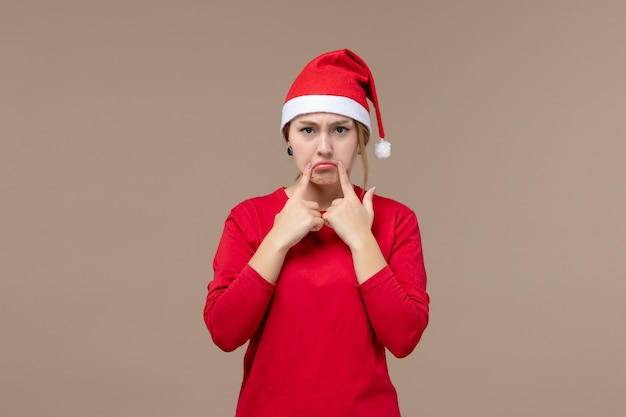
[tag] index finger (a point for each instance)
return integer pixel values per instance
(344, 180)
(303, 183)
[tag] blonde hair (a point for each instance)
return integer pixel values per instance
(363, 137)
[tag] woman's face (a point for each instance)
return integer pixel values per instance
(323, 139)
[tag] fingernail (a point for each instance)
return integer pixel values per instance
(308, 165)
(340, 164)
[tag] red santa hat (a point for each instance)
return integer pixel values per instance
(337, 82)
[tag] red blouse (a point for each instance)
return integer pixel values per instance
(317, 339)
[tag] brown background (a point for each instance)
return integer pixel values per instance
(130, 128)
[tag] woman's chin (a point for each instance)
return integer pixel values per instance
(327, 178)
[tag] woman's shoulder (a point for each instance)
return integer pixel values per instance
(271, 202)
(387, 204)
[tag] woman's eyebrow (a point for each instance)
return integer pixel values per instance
(306, 122)
(342, 122)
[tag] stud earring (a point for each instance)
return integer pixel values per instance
(289, 151)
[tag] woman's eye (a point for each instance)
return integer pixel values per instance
(341, 129)
(307, 130)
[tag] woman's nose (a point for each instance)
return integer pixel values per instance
(324, 146)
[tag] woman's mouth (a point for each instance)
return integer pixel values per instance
(324, 166)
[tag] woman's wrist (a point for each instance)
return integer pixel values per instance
(274, 240)
(362, 241)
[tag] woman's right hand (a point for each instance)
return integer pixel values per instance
(299, 216)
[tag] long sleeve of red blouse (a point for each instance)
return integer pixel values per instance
(242, 293)
(395, 298)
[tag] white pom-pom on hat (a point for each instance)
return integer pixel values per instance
(337, 82)
(382, 149)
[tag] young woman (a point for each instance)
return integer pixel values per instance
(320, 278)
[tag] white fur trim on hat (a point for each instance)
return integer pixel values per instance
(327, 104)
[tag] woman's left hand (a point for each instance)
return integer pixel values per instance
(351, 219)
